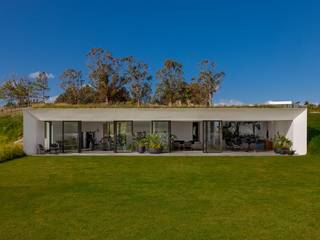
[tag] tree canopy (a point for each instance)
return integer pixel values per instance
(112, 79)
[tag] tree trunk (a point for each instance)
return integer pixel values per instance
(209, 99)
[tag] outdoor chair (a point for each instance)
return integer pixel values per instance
(41, 149)
(196, 146)
(54, 147)
(187, 145)
(232, 146)
(178, 144)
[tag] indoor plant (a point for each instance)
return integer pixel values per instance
(141, 145)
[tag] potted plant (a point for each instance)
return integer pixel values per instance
(141, 145)
(282, 145)
(154, 143)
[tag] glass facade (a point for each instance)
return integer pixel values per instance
(108, 136)
(162, 128)
(124, 138)
(212, 136)
(70, 136)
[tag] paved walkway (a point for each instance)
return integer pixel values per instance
(176, 153)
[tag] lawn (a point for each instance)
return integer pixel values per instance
(160, 198)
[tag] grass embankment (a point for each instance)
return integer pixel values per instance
(314, 133)
(149, 105)
(10, 131)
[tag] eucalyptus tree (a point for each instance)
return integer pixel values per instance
(209, 80)
(106, 75)
(41, 86)
(171, 82)
(18, 91)
(71, 83)
(139, 80)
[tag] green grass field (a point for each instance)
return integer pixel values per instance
(163, 197)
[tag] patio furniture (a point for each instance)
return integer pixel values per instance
(232, 145)
(187, 145)
(41, 149)
(54, 147)
(260, 145)
(178, 144)
(196, 146)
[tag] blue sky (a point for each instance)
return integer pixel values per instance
(269, 50)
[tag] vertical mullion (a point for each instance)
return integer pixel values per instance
(221, 137)
(203, 136)
(62, 136)
(50, 133)
(169, 136)
(115, 136)
(79, 136)
(131, 150)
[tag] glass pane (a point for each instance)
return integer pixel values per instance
(141, 129)
(108, 136)
(124, 137)
(162, 129)
(47, 135)
(70, 136)
(213, 136)
(56, 137)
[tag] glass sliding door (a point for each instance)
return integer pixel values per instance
(124, 139)
(162, 128)
(141, 129)
(108, 136)
(71, 136)
(56, 137)
(212, 136)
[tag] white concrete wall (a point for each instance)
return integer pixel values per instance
(33, 133)
(299, 133)
(173, 114)
(284, 128)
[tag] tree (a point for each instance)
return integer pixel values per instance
(139, 80)
(171, 81)
(17, 91)
(85, 95)
(41, 86)
(196, 94)
(106, 75)
(209, 80)
(71, 82)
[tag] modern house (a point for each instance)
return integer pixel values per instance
(205, 130)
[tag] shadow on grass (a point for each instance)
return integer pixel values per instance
(12, 159)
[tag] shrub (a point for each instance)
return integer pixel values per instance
(154, 141)
(282, 142)
(10, 151)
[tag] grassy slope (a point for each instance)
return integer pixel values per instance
(10, 127)
(314, 133)
(162, 197)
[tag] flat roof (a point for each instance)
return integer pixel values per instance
(171, 113)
